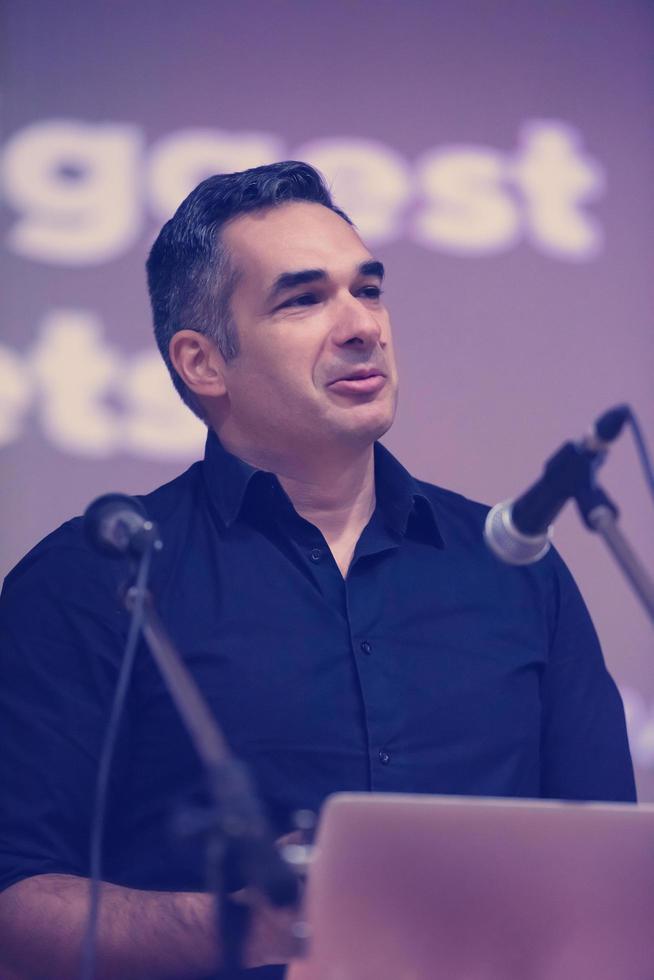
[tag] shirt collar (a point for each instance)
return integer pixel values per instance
(400, 499)
(227, 478)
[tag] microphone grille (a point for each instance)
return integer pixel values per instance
(507, 543)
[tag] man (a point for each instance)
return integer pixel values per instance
(344, 620)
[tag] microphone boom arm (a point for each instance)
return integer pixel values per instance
(519, 531)
(600, 515)
(236, 816)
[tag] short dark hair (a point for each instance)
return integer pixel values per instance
(190, 276)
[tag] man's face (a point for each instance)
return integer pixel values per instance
(315, 364)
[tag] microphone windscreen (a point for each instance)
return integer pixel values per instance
(111, 521)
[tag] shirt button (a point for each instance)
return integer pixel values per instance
(316, 554)
(384, 757)
(365, 647)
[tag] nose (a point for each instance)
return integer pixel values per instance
(356, 325)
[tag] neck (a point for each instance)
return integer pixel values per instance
(335, 492)
(337, 496)
(337, 499)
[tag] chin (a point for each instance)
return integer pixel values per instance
(367, 431)
(360, 424)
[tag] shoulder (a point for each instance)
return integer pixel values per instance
(461, 520)
(64, 564)
(64, 549)
(464, 520)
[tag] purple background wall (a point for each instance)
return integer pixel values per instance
(497, 155)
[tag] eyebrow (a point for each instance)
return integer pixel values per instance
(289, 280)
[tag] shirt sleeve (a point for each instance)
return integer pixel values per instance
(585, 751)
(61, 638)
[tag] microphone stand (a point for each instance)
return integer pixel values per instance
(235, 819)
(600, 515)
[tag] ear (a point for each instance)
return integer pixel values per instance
(199, 363)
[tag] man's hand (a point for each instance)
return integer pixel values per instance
(275, 935)
(141, 934)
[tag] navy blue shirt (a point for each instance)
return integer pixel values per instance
(432, 668)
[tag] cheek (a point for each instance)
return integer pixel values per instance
(275, 376)
(293, 361)
(389, 354)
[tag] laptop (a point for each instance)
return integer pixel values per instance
(408, 887)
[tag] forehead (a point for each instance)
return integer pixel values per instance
(291, 237)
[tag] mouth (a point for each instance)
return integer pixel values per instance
(364, 381)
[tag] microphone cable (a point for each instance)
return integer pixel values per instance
(89, 944)
(608, 427)
(641, 448)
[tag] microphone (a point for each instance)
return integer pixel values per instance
(519, 531)
(117, 525)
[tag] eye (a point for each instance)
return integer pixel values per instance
(371, 292)
(305, 299)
